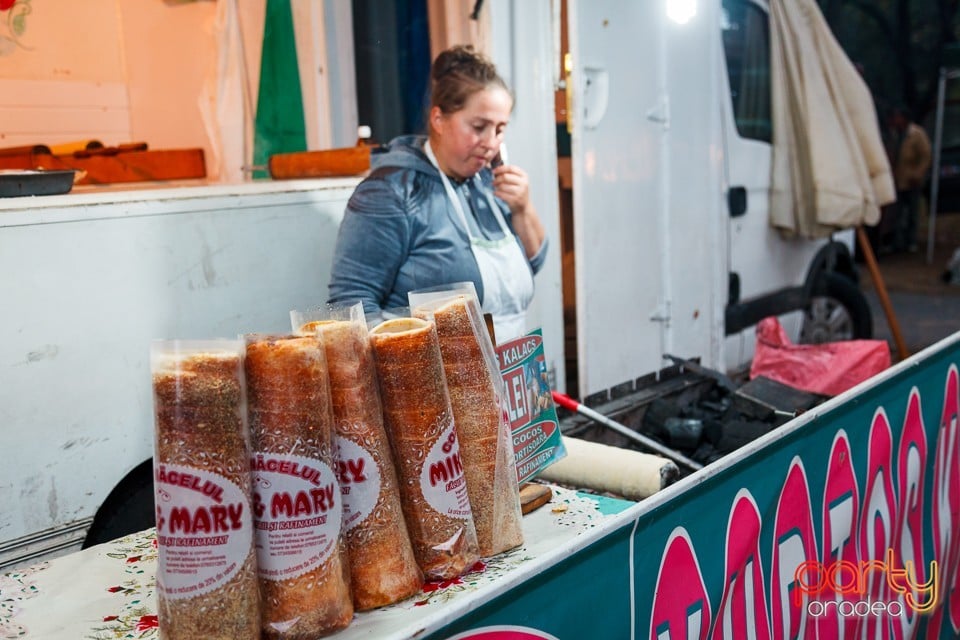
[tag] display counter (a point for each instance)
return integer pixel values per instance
(108, 591)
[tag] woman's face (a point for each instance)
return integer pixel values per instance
(465, 141)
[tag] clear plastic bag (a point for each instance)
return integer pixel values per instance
(304, 574)
(382, 563)
(478, 403)
(420, 424)
(207, 572)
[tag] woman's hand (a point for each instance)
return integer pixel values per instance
(511, 184)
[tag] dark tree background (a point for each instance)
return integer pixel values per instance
(901, 45)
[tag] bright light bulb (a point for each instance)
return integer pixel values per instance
(681, 11)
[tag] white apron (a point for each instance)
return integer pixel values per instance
(504, 270)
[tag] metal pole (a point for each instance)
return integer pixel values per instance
(935, 176)
(864, 243)
(569, 403)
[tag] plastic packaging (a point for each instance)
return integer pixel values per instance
(829, 369)
(207, 572)
(477, 399)
(419, 422)
(304, 577)
(382, 564)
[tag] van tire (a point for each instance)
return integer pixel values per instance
(128, 509)
(837, 310)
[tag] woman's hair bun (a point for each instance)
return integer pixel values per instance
(460, 59)
(457, 73)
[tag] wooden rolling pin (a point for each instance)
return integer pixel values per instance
(631, 474)
(327, 163)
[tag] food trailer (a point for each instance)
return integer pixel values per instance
(103, 270)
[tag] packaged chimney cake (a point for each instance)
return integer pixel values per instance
(382, 564)
(207, 573)
(419, 421)
(304, 576)
(476, 396)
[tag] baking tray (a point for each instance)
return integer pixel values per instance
(26, 182)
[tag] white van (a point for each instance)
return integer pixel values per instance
(672, 250)
(659, 231)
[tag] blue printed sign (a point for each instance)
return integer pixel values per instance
(530, 408)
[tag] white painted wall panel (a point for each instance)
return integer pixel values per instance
(91, 279)
(54, 112)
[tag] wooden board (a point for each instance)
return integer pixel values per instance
(533, 496)
(106, 167)
(328, 163)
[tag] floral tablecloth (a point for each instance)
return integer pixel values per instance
(108, 591)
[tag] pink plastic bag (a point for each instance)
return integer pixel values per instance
(829, 369)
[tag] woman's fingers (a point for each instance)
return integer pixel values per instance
(511, 184)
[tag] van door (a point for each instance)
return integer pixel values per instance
(616, 168)
(650, 228)
(760, 260)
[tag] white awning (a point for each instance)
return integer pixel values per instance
(830, 169)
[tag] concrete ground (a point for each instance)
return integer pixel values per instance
(926, 309)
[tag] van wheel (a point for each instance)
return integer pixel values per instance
(128, 509)
(838, 310)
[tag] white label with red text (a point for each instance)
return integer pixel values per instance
(359, 478)
(296, 512)
(442, 481)
(204, 530)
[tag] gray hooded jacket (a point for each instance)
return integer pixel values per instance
(400, 232)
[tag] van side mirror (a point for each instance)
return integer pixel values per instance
(737, 201)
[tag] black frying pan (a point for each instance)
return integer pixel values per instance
(26, 182)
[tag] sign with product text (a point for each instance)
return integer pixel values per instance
(530, 408)
(297, 514)
(204, 528)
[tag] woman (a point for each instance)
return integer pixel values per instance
(434, 211)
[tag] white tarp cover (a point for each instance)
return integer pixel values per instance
(830, 170)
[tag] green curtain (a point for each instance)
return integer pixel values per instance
(279, 126)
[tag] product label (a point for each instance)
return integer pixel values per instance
(359, 478)
(537, 441)
(442, 480)
(204, 530)
(297, 514)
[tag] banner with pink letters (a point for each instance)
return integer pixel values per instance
(843, 526)
(843, 523)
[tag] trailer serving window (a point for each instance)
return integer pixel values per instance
(746, 44)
